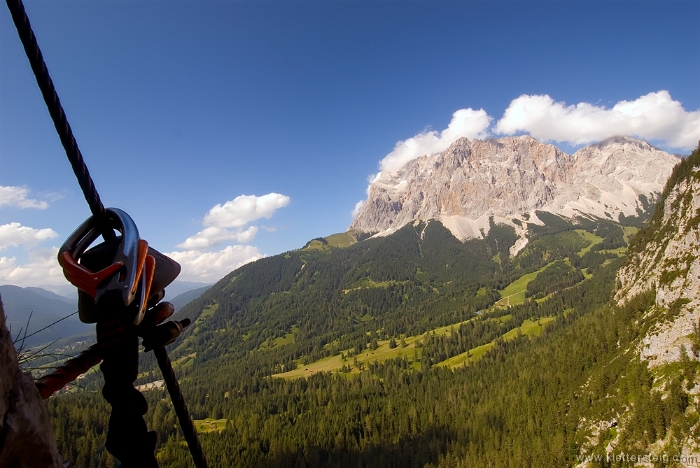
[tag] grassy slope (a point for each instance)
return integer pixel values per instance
(513, 294)
(528, 328)
(592, 238)
(204, 426)
(410, 352)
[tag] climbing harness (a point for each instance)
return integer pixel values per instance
(120, 282)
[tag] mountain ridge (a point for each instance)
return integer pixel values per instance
(509, 179)
(29, 310)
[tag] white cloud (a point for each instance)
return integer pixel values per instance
(41, 269)
(212, 266)
(13, 196)
(245, 209)
(358, 206)
(225, 224)
(655, 116)
(16, 235)
(213, 236)
(467, 123)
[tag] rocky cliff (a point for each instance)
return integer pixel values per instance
(512, 177)
(26, 436)
(666, 259)
(663, 264)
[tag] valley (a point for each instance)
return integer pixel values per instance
(409, 348)
(421, 349)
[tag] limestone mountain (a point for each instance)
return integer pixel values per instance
(511, 178)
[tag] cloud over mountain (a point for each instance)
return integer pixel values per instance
(655, 116)
(467, 123)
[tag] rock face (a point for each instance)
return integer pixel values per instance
(664, 259)
(26, 436)
(510, 178)
(670, 264)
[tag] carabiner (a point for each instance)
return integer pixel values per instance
(110, 267)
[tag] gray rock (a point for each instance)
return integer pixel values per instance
(510, 178)
(670, 265)
(26, 436)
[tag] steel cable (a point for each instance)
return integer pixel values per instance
(183, 415)
(65, 133)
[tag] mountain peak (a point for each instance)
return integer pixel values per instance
(624, 140)
(509, 179)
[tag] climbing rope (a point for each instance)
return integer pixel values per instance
(117, 330)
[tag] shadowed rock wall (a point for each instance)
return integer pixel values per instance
(26, 436)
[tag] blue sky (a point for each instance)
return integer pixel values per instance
(234, 130)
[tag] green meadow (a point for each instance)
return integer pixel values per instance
(204, 426)
(514, 293)
(528, 328)
(410, 352)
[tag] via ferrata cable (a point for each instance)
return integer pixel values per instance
(53, 103)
